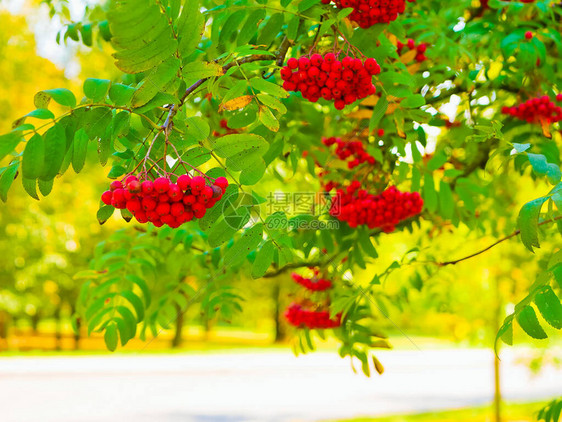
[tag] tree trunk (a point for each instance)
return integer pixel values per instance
(497, 380)
(4, 324)
(280, 332)
(35, 318)
(177, 340)
(58, 328)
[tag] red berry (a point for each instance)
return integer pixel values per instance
(380, 132)
(293, 63)
(184, 182)
(147, 187)
(177, 209)
(199, 210)
(197, 183)
(175, 193)
(116, 184)
(304, 63)
(107, 197)
(330, 58)
(119, 195)
(207, 192)
(148, 203)
(134, 186)
(161, 185)
(189, 199)
(528, 35)
(134, 205)
(163, 208)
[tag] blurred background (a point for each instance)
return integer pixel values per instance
(442, 367)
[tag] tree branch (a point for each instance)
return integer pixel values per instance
(497, 242)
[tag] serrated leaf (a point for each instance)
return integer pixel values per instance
(96, 89)
(121, 94)
(62, 96)
(55, 150)
(104, 213)
(9, 142)
(550, 307)
(110, 337)
(236, 103)
(267, 118)
(528, 222)
(33, 157)
(80, 150)
(268, 87)
(243, 246)
(528, 320)
(7, 179)
(264, 259)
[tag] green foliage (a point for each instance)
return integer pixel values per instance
(551, 412)
(201, 92)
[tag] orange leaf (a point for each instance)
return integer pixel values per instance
(236, 103)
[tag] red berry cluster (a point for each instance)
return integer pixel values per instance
(163, 202)
(300, 317)
(537, 110)
(369, 12)
(343, 82)
(421, 48)
(357, 207)
(314, 285)
(350, 149)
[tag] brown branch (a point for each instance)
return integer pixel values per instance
(497, 242)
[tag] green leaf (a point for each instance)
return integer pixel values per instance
(110, 337)
(528, 320)
(550, 307)
(251, 26)
(61, 95)
(30, 186)
(155, 81)
(45, 186)
(9, 142)
(80, 150)
(268, 87)
(41, 113)
(201, 70)
(33, 157)
(268, 119)
(264, 258)
(104, 213)
(271, 29)
(505, 333)
(7, 179)
(378, 112)
(121, 94)
(246, 244)
(307, 4)
(529, 221)
(96, 89)
(415, 101)
(237, 145)
(191, 25)
(272, 102)
(429, 194)
(55, 150)
(197, 128)
(142, 286)
(446, 200)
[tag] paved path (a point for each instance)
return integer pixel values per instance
(256, 387)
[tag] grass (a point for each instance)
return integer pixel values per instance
(511, 412)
